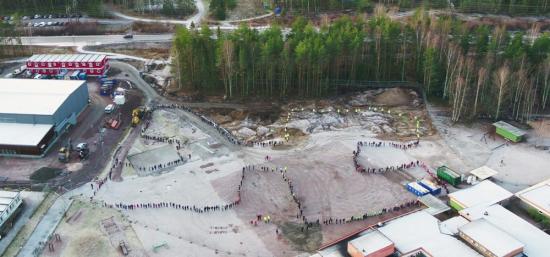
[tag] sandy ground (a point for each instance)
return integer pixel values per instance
(522, 164)
(321, 169)
(82, 233)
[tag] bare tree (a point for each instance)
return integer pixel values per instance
(501, 79)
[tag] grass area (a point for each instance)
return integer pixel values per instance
(27, 229)
(45, 173)
(301, 239)
(539, 218)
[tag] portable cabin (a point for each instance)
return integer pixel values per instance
(432, 187)
(417, 189)
(509, 132)
(445, 173)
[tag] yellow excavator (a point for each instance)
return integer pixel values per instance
(137, 115)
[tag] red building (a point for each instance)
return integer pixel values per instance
(52, 64)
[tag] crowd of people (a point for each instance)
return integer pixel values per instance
(156, 167)
(408, 204)
(360, 168)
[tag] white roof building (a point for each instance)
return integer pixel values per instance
(23, 134)
(422, 230)
(483, 194)
(483, 172)
(536, 242)
(537, 196)
(487, 238)
(35, 96)
(371, 243)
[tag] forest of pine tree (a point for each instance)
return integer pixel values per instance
(478, 71)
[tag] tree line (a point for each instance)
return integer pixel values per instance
(175, 8)
(514, 7)
(479, 71)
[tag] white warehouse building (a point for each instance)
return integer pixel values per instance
(34, 112)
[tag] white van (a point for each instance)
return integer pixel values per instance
(110, 108)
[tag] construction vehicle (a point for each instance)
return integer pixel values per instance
(137, 115)
(64, 153)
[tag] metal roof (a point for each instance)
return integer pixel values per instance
(483, 172)
(418, 187)
(538, 196)
(8, 194)
(420, 229)
(370, 242)
(506, 126)
(491, 238)
(483, 194)
(67, 57)
(536, 242)
(35, 96)
(23, 134)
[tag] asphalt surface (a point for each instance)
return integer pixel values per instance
(92, 40)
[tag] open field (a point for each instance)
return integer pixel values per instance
(316, 165)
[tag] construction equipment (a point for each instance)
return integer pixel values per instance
(137, 115)
(64, 153)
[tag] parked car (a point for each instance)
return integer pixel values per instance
(41, 24)
(49, 23)
(25, 17)
(37, 16)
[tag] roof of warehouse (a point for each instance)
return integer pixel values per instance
(66, 57)
(35, 96)
(421, 229)
(491, 238)
(485, 193)
(483, 172)
(371, 242)
(22, 134)
(536, 242)
(537, 195)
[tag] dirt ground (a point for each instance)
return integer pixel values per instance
(152, 50)
(88, 231)
(90, 121)
(319, 163)
(246, 9)
(395, 113)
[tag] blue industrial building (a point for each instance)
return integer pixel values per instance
(34, 112)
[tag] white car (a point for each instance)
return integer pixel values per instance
(49, 23)
(41, 24)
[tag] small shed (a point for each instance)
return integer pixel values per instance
(483, 173)
(509, 132)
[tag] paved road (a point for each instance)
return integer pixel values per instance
(92, 40)
(45, 228)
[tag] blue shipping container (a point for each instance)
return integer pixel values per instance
(433, 188)
(417, 189)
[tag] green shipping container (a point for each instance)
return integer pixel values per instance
(509, 132)
(448, 175)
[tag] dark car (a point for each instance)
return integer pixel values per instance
(128, 36)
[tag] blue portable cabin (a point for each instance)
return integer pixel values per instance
(432, 187)
(417, 189)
